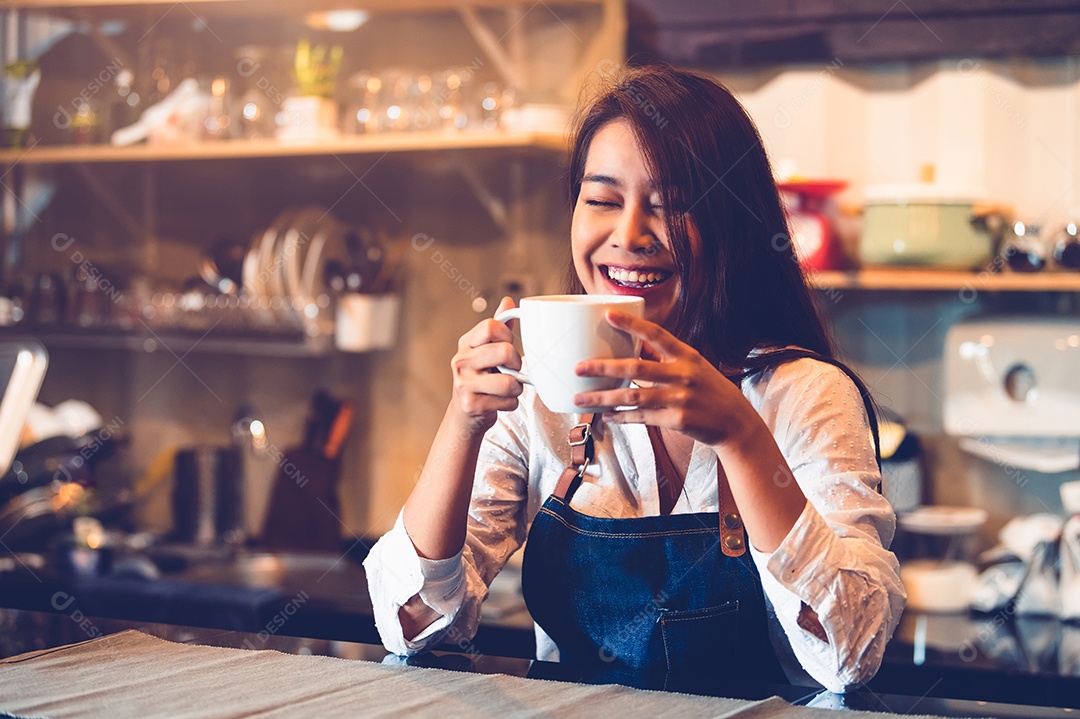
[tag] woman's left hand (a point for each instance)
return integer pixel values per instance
(678, 388)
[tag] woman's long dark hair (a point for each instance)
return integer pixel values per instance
(744, 288)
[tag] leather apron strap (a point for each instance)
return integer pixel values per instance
(581, 456)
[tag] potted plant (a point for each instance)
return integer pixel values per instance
(311, 114)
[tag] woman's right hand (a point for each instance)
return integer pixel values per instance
(480, 390)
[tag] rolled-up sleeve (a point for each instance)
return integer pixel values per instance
(835, 559)
(456, 587)
(396, 573)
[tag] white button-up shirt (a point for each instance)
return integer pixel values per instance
(834, 559)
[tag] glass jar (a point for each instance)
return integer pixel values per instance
(1067, 247)
(86, 127)
(448, 98)
(1024, 249)
(218, 122)
(261, 93)
(362, 104)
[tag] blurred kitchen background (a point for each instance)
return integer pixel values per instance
(213, 211)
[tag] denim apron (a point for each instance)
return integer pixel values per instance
(668, 602)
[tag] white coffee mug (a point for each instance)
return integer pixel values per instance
(558, 331)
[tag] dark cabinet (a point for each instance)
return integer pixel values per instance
(732, 35)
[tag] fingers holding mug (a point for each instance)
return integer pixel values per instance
(489, 330)
(479, 390)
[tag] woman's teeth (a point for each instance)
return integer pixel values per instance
(634, 277)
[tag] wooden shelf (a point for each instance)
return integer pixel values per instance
(240, 149)
(264, 7)
(150, 12)
(174, 342)
(946, 280)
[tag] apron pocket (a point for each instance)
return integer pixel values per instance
(700, 646)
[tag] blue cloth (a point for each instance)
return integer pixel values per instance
(650, 602)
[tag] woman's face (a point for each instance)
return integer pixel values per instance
(619, 233)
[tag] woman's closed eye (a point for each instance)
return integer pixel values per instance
(655, 208)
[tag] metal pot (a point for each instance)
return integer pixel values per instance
(923, 225)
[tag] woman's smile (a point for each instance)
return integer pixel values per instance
(635, 278)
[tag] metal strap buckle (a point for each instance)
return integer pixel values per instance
(586, 434)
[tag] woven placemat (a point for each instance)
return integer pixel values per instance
(131, 674)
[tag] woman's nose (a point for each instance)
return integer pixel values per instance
(634, 233)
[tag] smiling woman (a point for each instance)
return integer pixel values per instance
(719, 521)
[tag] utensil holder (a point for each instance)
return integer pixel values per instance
(366, 322)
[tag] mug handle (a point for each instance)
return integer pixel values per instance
(514, 313)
